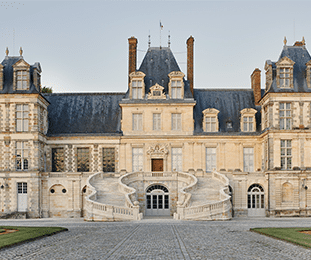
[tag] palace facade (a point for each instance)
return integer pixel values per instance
(162, 147)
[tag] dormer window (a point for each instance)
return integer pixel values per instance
(137, 86)
(136, 89)
(248, 121)
(176, 85)
(21, 75)
(176, 89)
(21, 80)
(285, 73)
(210, 120)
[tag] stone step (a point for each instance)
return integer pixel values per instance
(207, 191)
(108, 192)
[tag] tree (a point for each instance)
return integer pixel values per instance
(46, 90)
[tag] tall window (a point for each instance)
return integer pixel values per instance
(136, 89)
(22, 77)
(108, 159)
(176, 88)
(176, 159)
(21, 156)
(248, 158)
(137, 159)
(137, 122)
(210, 159)
(58, 159)
(22, 118)
(248, 124)
(83, 161)
(286, 154)
(210, 123)
(156, 121)
(176, 121)
(285, 116)
(284, 77)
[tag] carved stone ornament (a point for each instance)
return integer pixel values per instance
(158, 151)
(156, 92)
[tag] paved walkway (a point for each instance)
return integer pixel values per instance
(158, 239)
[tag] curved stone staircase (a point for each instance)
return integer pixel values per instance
(201, 198)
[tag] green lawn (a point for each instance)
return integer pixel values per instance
(26, 234)
(287, 234)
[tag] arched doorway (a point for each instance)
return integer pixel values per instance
(256, 201)
(157, 201)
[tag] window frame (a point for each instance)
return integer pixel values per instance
(248, 159)
(286, 154)
(210, 159)
(109, 161)
(60, 166)
(135, 77)
(281, 66)
(137, 122)
(210, 113)
(83, 166)
(176, 122)
(23, 126)
(176, 159)
(137, 159)
(156, 121)
(22, 156)
(285, 118)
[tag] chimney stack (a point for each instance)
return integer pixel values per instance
(190, 42)
(132, 54)
(256, 85)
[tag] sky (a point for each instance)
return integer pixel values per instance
(82, 46)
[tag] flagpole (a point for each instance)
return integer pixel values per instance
(160, 34)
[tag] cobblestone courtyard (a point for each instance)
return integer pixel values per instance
(158, 239)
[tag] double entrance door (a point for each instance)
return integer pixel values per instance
(157, 201)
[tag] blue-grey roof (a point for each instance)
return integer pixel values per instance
(229, 102)
(157, 64)
(8, 63)
(84, 113)
(300, 56)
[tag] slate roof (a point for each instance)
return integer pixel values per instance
(157, 64)
(84, 113)
(300, 56)
(229, 102)
(8, 62)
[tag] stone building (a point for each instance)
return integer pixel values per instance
(162, 147)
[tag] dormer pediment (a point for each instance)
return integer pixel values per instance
(137, 74)
(156, 92)
(285, 62)
(210, 111)
(176, 74)
(21, 64)
(249, 111)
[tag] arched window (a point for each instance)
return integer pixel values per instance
(256, 197)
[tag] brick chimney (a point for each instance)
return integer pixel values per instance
(256, 85)
(190, 42)
(132, 54)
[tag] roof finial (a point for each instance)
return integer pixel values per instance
(20, 51)
(149, 41)
(285, 41)
(303, 40)
(169, 39)
(7, 51)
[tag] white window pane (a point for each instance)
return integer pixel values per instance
(25, 125)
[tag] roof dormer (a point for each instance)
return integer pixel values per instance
(21, 75)
(176, 85)
(284, 73)
(137, 85)
(1, 76)
(37, 75)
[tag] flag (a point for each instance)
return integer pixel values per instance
(161, 26)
